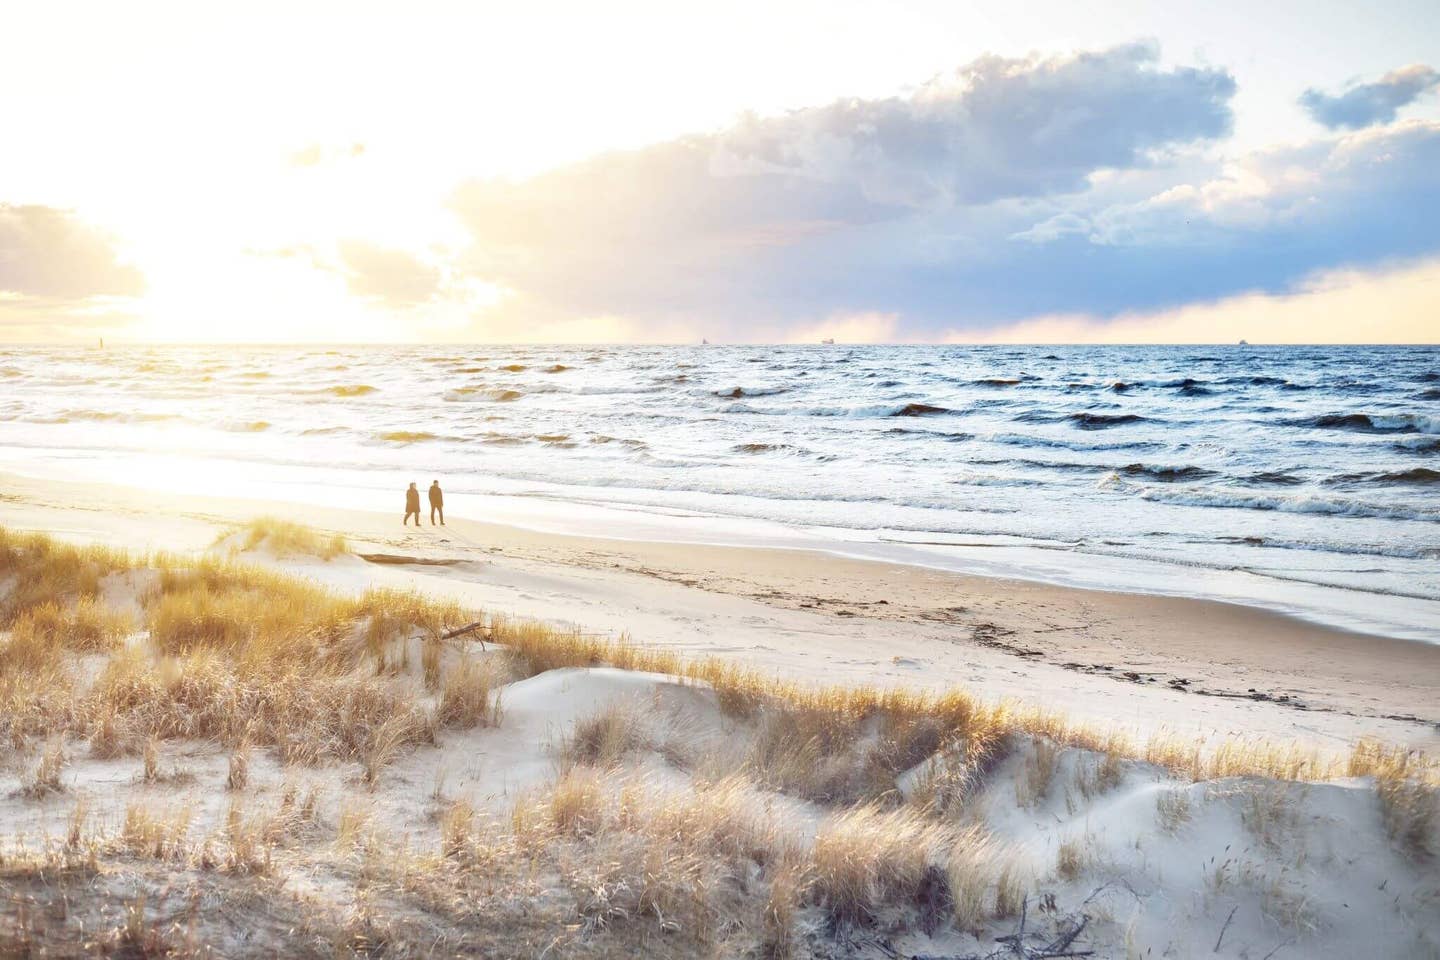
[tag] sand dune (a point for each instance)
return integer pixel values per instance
(324, 775)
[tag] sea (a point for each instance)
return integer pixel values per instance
(1304, 480)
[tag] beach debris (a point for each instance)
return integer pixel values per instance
(397, 558)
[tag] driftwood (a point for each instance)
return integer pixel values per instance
(398, 558)
(478, 628)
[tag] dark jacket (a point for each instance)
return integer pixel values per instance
(412, 499)
(437, 499)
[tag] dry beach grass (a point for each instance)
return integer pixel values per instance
(185, 730)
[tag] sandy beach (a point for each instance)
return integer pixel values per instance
(1134, 661)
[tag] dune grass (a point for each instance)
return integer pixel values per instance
(285, 538)
(265, 664)
(292, 650)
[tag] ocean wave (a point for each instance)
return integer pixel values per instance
(996, 382)
(492, 394)
(1371, 422)
(788, 448)
(1025, 440)
(514, 367)
(1420, 445)
(1299, 503)
(406, 436)
(1103, 421)
(1189, 387)
(735, 393)
(355, 390)
(1351, 549)
(556, 368)
(1258, 380)
(954, 436)
(876, 410)
(601, 439)
(1415, 476)
(1431, 394)
(105, 416)
(245, 426)
(1277, 478)
(917, 410)
(1166, 474)
(610, 391)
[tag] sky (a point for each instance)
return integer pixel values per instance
(747, 172)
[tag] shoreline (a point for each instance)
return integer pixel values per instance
(1141, 660)
(568, 512)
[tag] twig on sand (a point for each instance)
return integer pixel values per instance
(1224, 927)
(474, 627)
(1278, 947)
(1061, 944)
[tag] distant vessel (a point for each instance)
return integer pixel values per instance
(704, 342)
(1243, 343)
(830, 340)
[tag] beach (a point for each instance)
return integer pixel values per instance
(1132, 661)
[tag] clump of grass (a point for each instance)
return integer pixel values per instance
(1099, 775)
(45, 780)
(470, 695)
(157, 836)
(603, 738)
(789, 888)
(1070, 859)
(1172, 808)
(867, 858)
(150, 770)
(285, 538)
(1034, 782)
(44, 570)
(1268, 811)
(457, 828)
(1407, 784)
(238, 777)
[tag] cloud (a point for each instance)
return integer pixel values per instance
(1342, 187)
(50, 254)
(1364, 104)
(1396, 304)
(393, 277)
(834, 208)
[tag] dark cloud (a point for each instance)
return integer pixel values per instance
(50, 254)
(1365, 104)
(724, 223)
(393, 277)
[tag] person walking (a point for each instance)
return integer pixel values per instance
(412, 505)
(437, 502)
